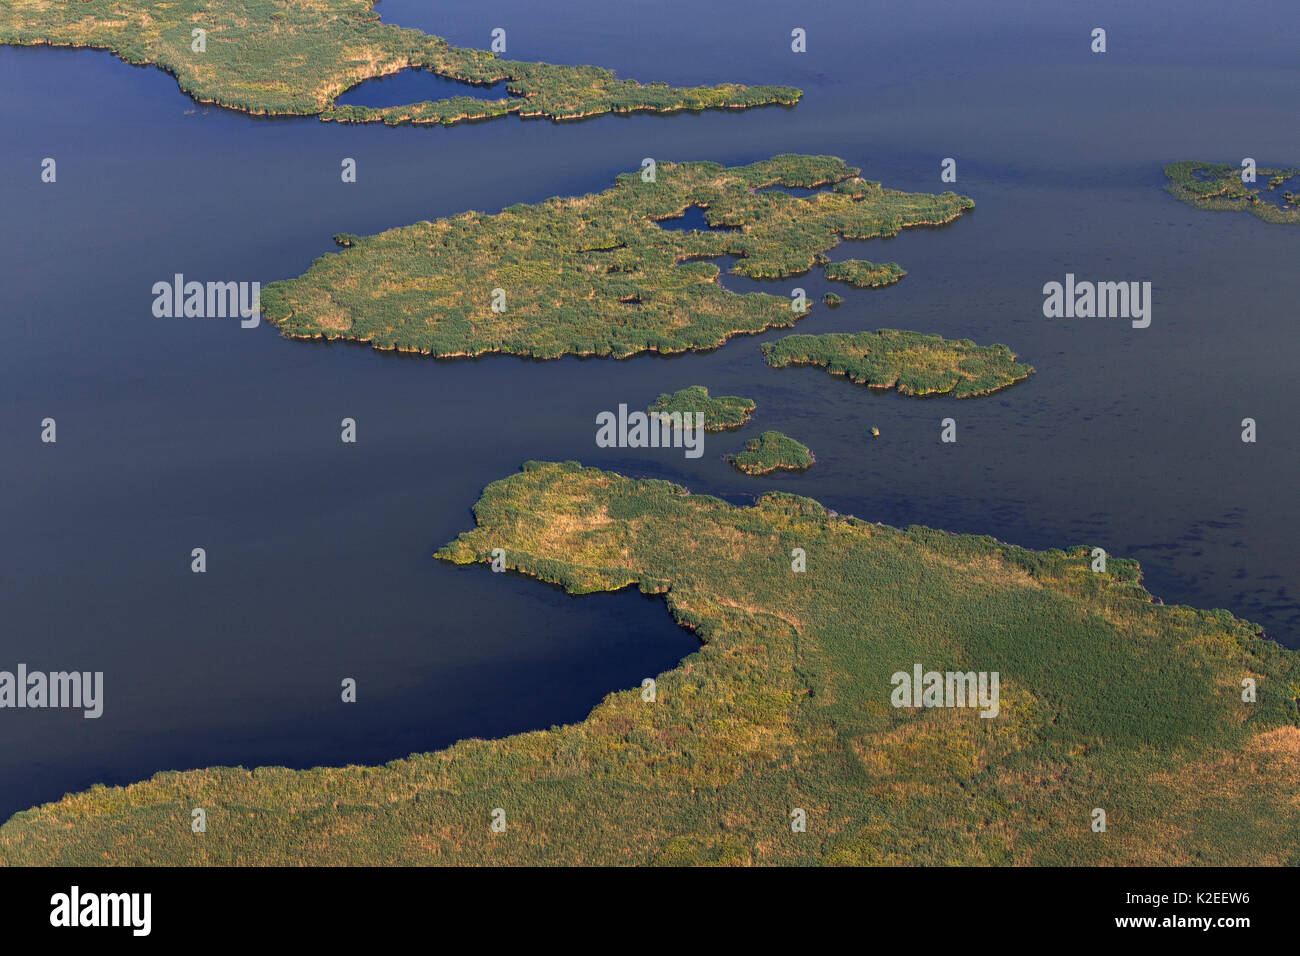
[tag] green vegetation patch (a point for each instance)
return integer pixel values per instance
(720, 414)
(914, 363)
(1106, 699)
(272, 56)
(597, 274)
(772, 451)
(864, 275)
(1218, 186)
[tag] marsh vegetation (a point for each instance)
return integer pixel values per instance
(595, 274)
(276, 57)
(1108, 699)
(913, 363)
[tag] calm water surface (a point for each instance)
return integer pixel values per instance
(175, 434)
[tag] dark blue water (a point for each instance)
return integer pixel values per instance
(1277, 195)
(175, 434)
(693, 220)
(415, 86)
